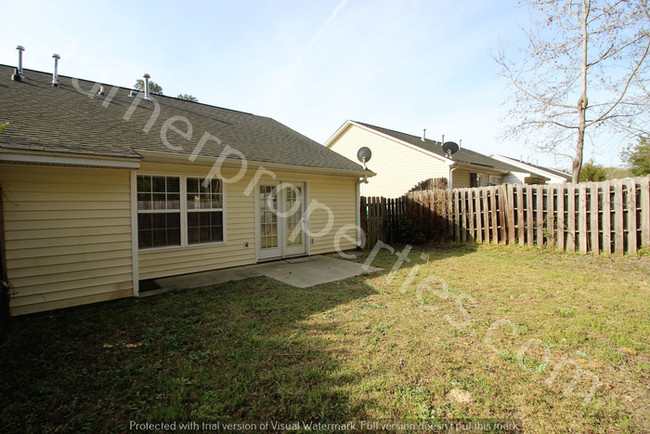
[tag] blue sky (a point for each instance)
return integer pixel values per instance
(405, 65)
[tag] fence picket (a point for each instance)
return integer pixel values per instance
(582, 218)
(520, 214)
(470, 214)
(550, 216)
(486, 215)
(631, 217)
(594, 200)
(530, 222)
(539, 228)
(619, 236)
(494, 214)
(510, 205)
(571, 219)
(607, 217)
(645, 212)
(561, 222)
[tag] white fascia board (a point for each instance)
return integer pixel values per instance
(328, 143)
(40, 157)
(447, 161)
(536, 170)
(183, 159)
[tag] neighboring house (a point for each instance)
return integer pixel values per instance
(104, 191)
(554, 176)
(402, 160)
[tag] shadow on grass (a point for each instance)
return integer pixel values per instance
(236, 352)
(241, 351)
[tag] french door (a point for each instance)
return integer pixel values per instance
(280, 208)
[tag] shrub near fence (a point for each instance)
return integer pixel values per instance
(608, 217)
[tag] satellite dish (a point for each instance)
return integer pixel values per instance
(450, 148)
(364, 154)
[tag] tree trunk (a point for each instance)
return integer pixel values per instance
(583, 101)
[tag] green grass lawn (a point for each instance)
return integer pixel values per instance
(486, 332)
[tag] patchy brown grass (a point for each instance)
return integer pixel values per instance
(476, 333)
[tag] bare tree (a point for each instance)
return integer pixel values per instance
(584, 70)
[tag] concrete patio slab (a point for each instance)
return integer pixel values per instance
(206, 278)
(313, 270)
(299, 272)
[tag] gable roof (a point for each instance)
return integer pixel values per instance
(463, 156)
(65, 120)
(534, 167)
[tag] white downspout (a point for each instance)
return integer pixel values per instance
(450, 176)
(363, 180)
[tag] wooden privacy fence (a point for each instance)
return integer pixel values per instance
(424, 214)
(608, 217)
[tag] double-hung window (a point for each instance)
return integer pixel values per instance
(159, 211)
(166, 221)
(204, 210)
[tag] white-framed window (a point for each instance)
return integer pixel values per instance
(496, 180)
(164, 220)
(159, 211)
(204, 210)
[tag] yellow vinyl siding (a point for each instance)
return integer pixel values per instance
(460, 178)
(336, 192)
(239, 228)
(339, 194)
(398, 167)
(67, 235)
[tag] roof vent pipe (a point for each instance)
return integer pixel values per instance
(424, 134)
(146, 86)
(55, 76)
(18, 72)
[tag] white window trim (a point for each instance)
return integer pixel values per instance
(200, 210)
(183, 196)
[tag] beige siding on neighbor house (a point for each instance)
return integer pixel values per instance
(68, 235)
(398, 167)
(336, 192)
(460, 178)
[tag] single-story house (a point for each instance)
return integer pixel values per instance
(554, 176)
(105, 188)
(403, 160)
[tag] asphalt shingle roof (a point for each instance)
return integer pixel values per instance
(463, 155)
(63, 119)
